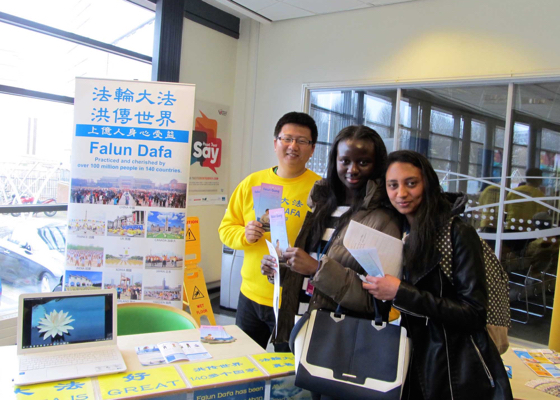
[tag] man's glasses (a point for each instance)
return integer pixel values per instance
(300, 141)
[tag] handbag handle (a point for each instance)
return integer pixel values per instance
(378, 313)
(295, 330)
(378, 317)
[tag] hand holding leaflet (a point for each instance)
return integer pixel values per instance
(278, 231)
(276, 295)
(364, 244)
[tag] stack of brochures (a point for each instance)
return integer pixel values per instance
(168, 352)
(215, 334)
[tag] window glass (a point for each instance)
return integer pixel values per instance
(440, 147)
(441, 122)
(35, 129)
(462, 131)
(520, 134)
(478, 131)
(531, 234)
(499, 137)
(90, 18)
(476, 153)
(378, 113)
(472, 118)
(519, 156)
(550, 139)
(24, 62)
(34, 162)
(335, 110)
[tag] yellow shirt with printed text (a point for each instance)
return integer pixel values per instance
(255, 286)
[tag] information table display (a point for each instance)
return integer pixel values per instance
(274, 379)
(239, 370)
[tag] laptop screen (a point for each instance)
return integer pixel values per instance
(55, 321)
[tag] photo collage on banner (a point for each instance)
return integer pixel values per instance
(128, 196)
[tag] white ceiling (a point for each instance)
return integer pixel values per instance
(277, 10)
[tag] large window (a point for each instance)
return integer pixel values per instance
(49, 45)
(334, 110)
(511, 178)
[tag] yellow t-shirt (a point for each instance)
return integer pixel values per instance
(255, 286)
(519, 215)
(490, 195)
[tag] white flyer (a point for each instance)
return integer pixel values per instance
(276, 296)
(377, 252)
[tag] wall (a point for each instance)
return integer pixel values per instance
(420, 41)
(208, 59)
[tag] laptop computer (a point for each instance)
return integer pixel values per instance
(66, 335)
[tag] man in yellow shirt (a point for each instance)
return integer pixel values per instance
(519, 214)
(295, 136)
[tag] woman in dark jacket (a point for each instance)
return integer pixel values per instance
(352, 191)
(453, 356)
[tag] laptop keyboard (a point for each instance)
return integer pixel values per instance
(30, 363)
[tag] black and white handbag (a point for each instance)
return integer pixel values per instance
(350, 358)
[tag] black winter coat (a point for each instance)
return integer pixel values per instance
(453, 357)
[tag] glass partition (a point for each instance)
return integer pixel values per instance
(462, 131)
(531, 234)
(334, 110)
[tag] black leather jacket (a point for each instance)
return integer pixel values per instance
(453, 356)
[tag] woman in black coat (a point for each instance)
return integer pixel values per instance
(453, 356)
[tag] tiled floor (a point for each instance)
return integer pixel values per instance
(222, 315)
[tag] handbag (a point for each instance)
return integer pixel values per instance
(347, 357)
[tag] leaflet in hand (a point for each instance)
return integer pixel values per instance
(278, 232)
(276, 293)
(270, 197)
(168, 352)
(215, 334)
(377, 252)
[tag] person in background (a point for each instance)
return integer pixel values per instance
(295, 136)
(319, 262)
(519, 215)
(453, 356)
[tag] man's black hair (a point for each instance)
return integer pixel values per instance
(297, 118)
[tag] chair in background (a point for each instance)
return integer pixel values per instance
(535, 277)
(135, 318)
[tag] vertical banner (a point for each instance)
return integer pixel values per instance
(128, 194)
(208, 179)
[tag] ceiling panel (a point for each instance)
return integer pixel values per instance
(256, 5)
(277, 10)
(327, 6)
(385, 2)
(281, 11)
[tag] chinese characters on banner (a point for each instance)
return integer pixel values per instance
(208, 179)
(77, 389)
(128, 194)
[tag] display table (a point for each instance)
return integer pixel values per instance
(180, 387)
(173, 377)
(521, 375)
